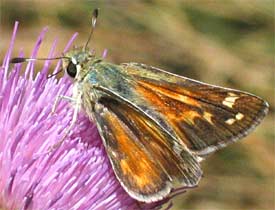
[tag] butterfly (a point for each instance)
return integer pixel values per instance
(156, 126)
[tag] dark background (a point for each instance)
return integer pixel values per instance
(228, 43)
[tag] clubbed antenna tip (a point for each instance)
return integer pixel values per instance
(17, 60)
(94, 18)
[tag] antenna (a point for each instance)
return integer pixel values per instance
(94, 18)
(21, 60)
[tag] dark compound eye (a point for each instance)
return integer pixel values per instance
(71, 69)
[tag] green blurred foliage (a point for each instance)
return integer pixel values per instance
(16, 10)
(223, 42)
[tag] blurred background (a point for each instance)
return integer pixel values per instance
(224, 42)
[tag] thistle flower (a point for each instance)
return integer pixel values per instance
(77, 175)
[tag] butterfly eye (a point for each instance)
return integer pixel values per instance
(71, 69)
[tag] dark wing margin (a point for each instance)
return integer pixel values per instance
(145, 158)
(203, 117)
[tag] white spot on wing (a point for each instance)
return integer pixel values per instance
(230, 121)
(239, 116)
(229, 101)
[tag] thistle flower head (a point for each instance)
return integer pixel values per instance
(77, 175)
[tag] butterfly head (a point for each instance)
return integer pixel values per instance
(76, 62)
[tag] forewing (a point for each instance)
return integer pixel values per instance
(204, 117)
(145, 158)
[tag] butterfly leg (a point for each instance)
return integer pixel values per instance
(77, 106)
(57, 100)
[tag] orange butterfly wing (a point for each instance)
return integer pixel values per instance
(204, 117)
(146, 159)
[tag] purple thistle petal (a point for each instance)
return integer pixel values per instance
(104, 54)
(30, 66)
(77, 175)
(8, 55)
